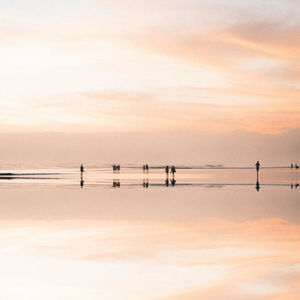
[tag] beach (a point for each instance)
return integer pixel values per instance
(212, 235)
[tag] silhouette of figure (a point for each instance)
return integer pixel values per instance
(173, 170)
(173, 182)
(257, 186)
(296, 185)
(257, 166)
(296, 166)
(147, 167)
(292, 186)
(144, 168)
(81, 168)
(81, 182)
(292, 166)
(167, 170)
(167, 182)
(116, 167)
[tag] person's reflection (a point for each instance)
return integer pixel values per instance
(257, 186)
(146, 183)
(116, 183)
(81, 180)
(173, 182)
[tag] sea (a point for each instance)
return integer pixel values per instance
(204, 232)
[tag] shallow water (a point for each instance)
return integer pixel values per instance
(127, 235)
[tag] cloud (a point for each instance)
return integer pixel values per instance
(156, 65)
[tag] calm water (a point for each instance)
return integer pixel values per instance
(128, 235)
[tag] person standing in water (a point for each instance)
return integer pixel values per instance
(173, 170)
(167, 170)
(257, 166)
(81, 168)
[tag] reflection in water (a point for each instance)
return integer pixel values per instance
(173, 181)
(167, 244)
(215, 259)
(116, 183)
(257, 186)
(81, 182)
(146, 183)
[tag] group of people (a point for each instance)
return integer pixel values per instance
(168, 169)
(172, 170)
(116, 167)
(145, 167)
(296, 166)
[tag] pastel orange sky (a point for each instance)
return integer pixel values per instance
(207, 66)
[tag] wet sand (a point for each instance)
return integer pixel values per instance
(211, 236)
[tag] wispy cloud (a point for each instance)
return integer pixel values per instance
(216, 65)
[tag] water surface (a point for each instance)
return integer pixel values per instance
(128, 235)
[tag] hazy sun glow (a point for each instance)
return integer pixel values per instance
(122, 65)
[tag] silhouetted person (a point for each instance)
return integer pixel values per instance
(81, 182)
(116, 167)
(173, 170)
(292, 166)
(257, 186)
(147, 167)
(167, 170)
(296, 166)
(296, 185)
(81, 168)
(292, 186)
(257, 166)
(144, 168)
(167, 182)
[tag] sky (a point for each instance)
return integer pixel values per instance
(207, 67)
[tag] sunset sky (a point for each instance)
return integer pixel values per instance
(208, 86)
(209, 66)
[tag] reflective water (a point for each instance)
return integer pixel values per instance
(128, 235)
